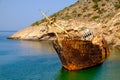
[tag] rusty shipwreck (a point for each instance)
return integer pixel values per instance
(82, 50)
(76, 54)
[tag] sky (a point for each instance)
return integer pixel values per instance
(18, 14)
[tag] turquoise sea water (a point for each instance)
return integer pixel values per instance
(35, 60)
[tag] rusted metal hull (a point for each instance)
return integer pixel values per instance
(79, 54)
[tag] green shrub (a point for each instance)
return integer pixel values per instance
(95, 17)
(108, 15)
(67, 17)
(54, 15)
(117, 6)
(68, 9)
(36, 23)
(101, 11)
(96, 7)
(103, 4)
(79, 14)
(96, 1)
(74, 12)
(88, 15)
(118, 23)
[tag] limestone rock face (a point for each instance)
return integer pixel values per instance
(41, 33)
(102, 17)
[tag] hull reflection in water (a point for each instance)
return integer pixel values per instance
(109, 70)
(89, 74)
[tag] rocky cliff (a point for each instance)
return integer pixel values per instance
(102, 16)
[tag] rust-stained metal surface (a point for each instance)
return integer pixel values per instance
(80, 54)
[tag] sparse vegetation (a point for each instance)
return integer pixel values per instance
(88, 15)
(36, 23)
(103, 4)
(101, 11)
(54, 15)
(117, 5)
(96, 1)
(74, 12)
(88, 10)
(68, 9)
(108, 15)
(79, 14)
(95, 7)
(95, 17)
(67, 17)
(118, 23)
(42, 30)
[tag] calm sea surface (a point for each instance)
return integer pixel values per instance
(34, 60)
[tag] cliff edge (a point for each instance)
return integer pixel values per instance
(102, 16)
